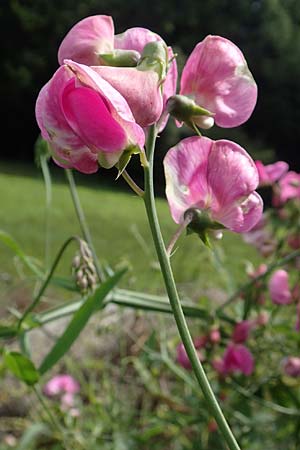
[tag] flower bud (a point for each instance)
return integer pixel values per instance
(155, 57)
(120, 58)
(291, 366)
(184, 109)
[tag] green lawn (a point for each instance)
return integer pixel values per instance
(120, 231)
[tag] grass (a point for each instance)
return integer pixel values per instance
(121, 235)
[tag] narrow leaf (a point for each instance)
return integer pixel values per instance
(7, 332)
(22, 367)
(78, 322)
(14, 246)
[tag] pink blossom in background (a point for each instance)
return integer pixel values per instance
(236, 359)
(93, 36)
(270, 173)
(217, 177)
(279, 288)
(291, 366)
(288, 188)
(242, 331)
(217, 78)
(61, 384)
(85, 120)
(183, 359)
(214, 336)
(293, 241)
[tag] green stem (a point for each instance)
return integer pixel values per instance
(167, 273)
(48, 188)
(83, 223)
(249, 284)
(132, 184)
(52, 419)
(46, 282)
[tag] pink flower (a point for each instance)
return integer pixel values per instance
(270, 173)
(217, 77)
(183, 359)
(85, 120)
(291, 366)
(237, 358)
(289, 187)
(279, 288)
(241, 331)
(61, 384)
(215, 177)
(91, 41)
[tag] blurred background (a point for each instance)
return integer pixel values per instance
(267, 31)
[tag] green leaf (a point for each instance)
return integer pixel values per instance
(22, 367)
(14, 246)
(78, 322)
(7, 332)
(32, 434)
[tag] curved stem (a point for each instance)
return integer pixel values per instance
(174, 298)
(178, 233)
(132, 184)
(48, 188)
(46, 282)
(245, 286)
(83, 223)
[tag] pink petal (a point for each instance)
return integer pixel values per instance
(237, 358)
(135, 39)
(81, 159)
(88, 38)
(216, 75)
(289, 186)
(140, 89)
(118, 106)
(169, 88)
(49, 115)
(272, 172)
(279, 288)
(241, 331)
(89, 116)
(185, 170)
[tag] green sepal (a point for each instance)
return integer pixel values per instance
(120, 58)
(186, 110)
(201, 224)
(155, 57)
(125, 158)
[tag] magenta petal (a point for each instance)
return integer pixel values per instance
(279, 288)
(88, 115)
(237, 358)
(216, 75)
(88, 38)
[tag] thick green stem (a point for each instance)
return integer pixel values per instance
(83, 223)
(167, 273)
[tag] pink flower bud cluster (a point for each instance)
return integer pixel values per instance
(64, 387)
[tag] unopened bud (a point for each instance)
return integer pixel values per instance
(120, 58)
(184, 109)
(155, 57)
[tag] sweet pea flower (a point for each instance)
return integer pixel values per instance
(217, 78)
(279, 288)
(183, 359)
(217, 178)
(60, 385)
(288, 188)
(85, 120)
(92, 42)
(271, 173)
(236, 359)
(241, 331)
(291, 366)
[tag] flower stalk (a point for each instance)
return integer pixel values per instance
(181, 323)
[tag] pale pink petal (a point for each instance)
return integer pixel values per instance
(169, 88)
(87, 39)
(88, 115)
(139, 88)
(241, 216)
(232, 174)
(135, 39)
(185, 170)
(271, 173)
(118, 106)
(81, 159)
(289, 187)
(216, 75)
(279, 288)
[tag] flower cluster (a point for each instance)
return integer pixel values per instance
(110, 88)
